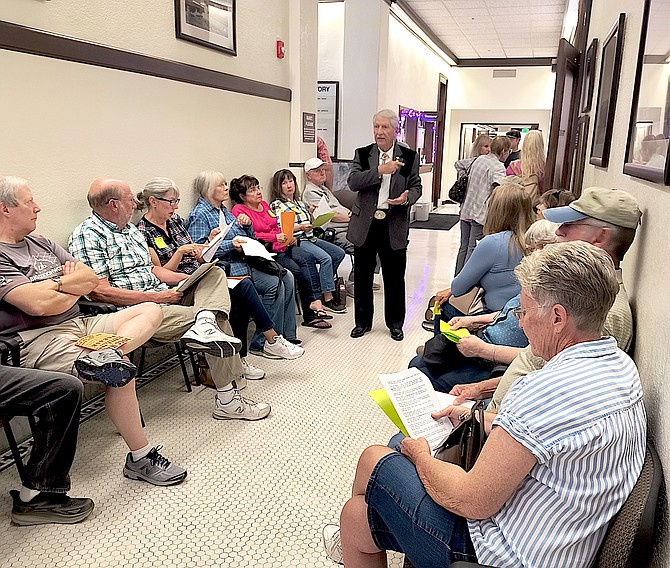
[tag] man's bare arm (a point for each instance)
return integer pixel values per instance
(43, 298)
(122, 297)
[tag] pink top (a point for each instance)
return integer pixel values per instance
(264, 224)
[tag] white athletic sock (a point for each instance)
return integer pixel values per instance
(26, 494)
(225, 394)
(142, 452)
(204, 314)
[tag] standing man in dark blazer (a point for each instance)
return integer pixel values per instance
(386, 176)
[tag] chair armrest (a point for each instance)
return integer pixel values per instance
(11, 347)
(91, 308)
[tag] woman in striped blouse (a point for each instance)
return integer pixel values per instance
(562, 455)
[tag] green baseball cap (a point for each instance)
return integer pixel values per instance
(610, 205)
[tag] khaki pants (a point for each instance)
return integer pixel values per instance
(210, 293)
(53, 348)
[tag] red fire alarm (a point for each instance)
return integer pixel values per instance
(281, 50)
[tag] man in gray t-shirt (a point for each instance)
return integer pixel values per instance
(40, 284)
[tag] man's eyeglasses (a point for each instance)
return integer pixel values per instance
(518, 312)
(172, 202)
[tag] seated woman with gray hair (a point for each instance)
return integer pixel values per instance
(583, 412)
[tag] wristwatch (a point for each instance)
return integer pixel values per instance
(59, 284)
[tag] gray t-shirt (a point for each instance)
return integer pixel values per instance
(34, 259)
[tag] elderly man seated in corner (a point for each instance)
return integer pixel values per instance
(583, 411)
(606, 218)
(118, 254)
(40, 284)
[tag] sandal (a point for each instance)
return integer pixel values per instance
(316, 324)
(322, 315)
(428, 316)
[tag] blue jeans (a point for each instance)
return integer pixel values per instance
(246, 303)
(278, 297)
(53, 400)
(472, 372)
(328, 256)
(403, 517)
(305, 274)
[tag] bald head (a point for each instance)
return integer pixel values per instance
(112, 199)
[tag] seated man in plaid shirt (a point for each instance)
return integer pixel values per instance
(117, 252)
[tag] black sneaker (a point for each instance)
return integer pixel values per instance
(50, 508)
(334, 307)
(105, 366)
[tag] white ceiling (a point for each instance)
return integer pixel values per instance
(476, 29)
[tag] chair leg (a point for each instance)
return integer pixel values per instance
(140, 367)
(196, 369)
(13, 446)
(180, 356)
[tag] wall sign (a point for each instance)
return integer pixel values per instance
(308, 127)
(328, 116)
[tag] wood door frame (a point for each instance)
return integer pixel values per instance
(440, 129)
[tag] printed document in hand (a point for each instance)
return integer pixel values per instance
(322, 208)
(252, 247)
(223, 225)
(414, 398)
(193, 278)
(210, 250)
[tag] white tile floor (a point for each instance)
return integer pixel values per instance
(257, 493)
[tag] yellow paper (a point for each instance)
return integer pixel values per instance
(287, 221)
(98, 341)
(160, 242)
(454, 335)
(436, 308)
(382, 399)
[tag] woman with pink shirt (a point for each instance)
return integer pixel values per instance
(245, 191)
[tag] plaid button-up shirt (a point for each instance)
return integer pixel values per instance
(166, 244)
(484, 172)
(203, 218)
(118, 254)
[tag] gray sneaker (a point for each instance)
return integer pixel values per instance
(240, 408)
(105, 366)
(154, 468)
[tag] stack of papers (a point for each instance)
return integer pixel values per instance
(454, 335)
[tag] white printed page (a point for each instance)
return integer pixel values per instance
(252, 247)
(414, 398)
(210, 250)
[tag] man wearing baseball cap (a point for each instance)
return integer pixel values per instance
(606, 218)
(515, 154)
(315, 189)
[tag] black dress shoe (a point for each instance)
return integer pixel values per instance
(397, 334)
(360, 331)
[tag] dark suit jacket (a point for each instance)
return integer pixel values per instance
(365, 180)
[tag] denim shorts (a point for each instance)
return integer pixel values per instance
(403, 517)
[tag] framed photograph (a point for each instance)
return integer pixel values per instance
(207, 22)
(589, 72)
(580, 155)
(608, 86)
(649, 128)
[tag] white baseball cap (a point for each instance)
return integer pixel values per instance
(312, 164)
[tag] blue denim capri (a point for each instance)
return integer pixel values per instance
(403, 517)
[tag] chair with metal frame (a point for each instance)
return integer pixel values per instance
(7, 352)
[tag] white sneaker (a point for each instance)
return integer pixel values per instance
(332, 543)
(240, 408)
(206, 337)
(250, 372)
(282, 349)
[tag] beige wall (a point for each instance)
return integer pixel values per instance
(646, 268)
(66, 123)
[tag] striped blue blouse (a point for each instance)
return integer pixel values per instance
(583, 418)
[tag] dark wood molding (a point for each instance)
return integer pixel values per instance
(507, 62)
(14, 37)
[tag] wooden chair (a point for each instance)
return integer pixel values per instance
(628, 542)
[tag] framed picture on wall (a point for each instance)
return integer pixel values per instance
(589, 72)
(608, 86)
(207, 22)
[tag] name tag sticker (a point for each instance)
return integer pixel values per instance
(160, 243)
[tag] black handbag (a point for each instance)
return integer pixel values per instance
(460, 188)
(463, 445)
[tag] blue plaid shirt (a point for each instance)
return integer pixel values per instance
(203, 218)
